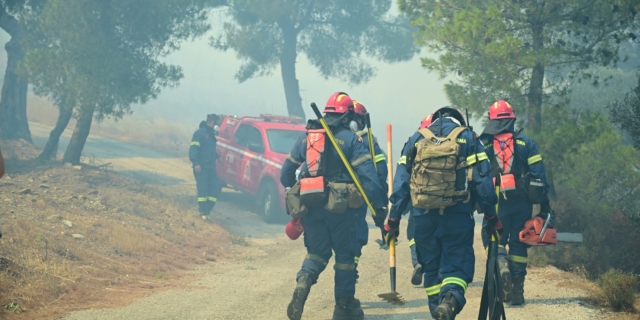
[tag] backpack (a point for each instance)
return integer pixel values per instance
(434, 171)
(313, 185)
(515, 182)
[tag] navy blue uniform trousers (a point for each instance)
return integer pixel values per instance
(326, 233)
(208, 187)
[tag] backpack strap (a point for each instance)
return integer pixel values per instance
(456, 132)
(426, 133)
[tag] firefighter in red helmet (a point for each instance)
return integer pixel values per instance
(358, 126)
(325, 231)
(444, 226)
(520, 172)
(426, 122)
(416, 276)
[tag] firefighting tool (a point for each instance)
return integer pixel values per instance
(392, 297)
(492, 302)
(371, 149)
(346, 163)
(539, 232)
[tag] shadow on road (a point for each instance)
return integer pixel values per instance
(556, 301)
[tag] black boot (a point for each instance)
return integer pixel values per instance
(517, 297)
(505, 276)
(296, 306)
(416, 277)
(448, 308)
(347, 309)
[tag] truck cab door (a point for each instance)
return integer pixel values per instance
(252, 162)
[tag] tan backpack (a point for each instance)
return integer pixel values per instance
(433, 174)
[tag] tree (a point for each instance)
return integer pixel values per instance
(94, 58)
(526, 51)
(333, 34)
(626, 114)
(13, 104)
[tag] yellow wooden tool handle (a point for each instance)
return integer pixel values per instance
(346, 163)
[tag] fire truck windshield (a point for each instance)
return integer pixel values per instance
(281, 141)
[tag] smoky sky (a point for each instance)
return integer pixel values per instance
(400, 94)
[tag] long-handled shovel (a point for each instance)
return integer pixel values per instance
(372, 150)
(393, 297)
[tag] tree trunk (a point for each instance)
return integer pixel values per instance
(288, 68)
(79, 137)
(535, 98)
(537, 81)
(13, 104)
(51, 148)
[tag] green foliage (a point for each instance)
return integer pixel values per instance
(498, 48)
(617, 290)
(626, 114)
(584, 96)
(333, 34)
(106, 53)
(598, 191)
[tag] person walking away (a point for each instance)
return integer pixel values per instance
(328, 223)
(361, 227)
(203, 155)
(523, 181)
(443, 174)
(416, 275)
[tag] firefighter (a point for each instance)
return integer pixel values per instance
(444, 235)
(361, 228)
(416, 276)
(326, 231)
(516, 159)
(203, 155)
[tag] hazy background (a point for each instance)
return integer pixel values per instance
(401, 93)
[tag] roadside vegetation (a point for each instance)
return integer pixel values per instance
(78, 237)
(154, 133)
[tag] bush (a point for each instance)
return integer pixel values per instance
(597, 192)
(616, 290)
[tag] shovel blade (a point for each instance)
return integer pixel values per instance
(393, 298)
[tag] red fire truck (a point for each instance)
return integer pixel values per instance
(252, 151)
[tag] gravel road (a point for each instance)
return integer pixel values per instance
(258, 283)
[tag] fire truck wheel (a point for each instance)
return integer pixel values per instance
(271, 211)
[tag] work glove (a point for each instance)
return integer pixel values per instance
(545, 209)
(493, 224)
(391, 230)
(381, 215)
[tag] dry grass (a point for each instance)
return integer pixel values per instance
(616, 290)
(137, 240)
(155, 133)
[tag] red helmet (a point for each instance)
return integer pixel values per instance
(339, 102)
(452, 112)
(426, 121)
(501, 110)
(294, 229)
(359, 108)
